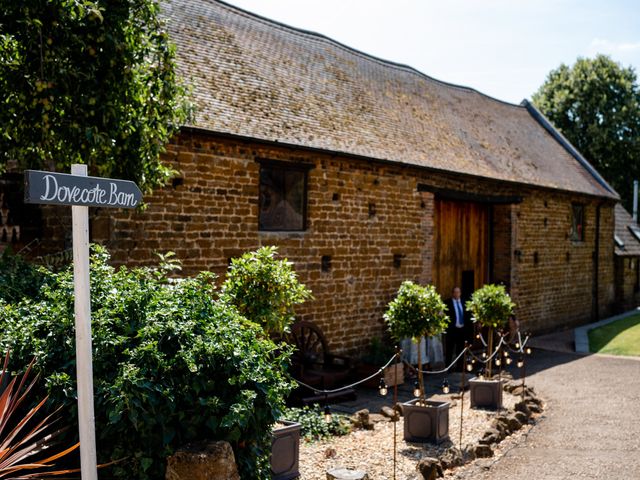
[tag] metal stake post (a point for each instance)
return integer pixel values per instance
(462, 378)
(395, 423)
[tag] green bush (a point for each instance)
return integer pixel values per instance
(313, 425)
(416, 311)
(263, 289)
(491, 306)
(19, 278)
(171, 366)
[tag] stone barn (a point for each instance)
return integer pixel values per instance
(364, 173)
(627, 261)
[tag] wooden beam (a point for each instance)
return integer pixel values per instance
(462, 196)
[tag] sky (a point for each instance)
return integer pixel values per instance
(504, 48)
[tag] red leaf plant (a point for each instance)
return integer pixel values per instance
(26, 440)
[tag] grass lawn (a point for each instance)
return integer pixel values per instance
(617, 338)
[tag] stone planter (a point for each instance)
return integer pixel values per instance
(486, 393)
(429, 423)
(285, 451)
(391, 378)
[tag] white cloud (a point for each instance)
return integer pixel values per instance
(601, 45)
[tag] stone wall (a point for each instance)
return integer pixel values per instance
(370, 220)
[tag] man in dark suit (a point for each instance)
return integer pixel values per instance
(460, 329)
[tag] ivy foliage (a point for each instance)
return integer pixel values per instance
(595, 103)
(88, 81)
(313, 424)
(416, 311)
(491, 306)
(264, 289)
(172, 365)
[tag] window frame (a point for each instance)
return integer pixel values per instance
(572, 234)
(292, 167)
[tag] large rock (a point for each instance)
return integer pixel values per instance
(523, 408)
(452, 457)
(514, 423)
(203, 461)
(390, 413)
(483, 451)
(361, 419)
(429, 468)
(344, 474)
(522, 417)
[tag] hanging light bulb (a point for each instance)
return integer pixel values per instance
(517, 345)
(416, 389)
(508, 360)
(327, 414)
(498, 362)
(478, 336)
(481, 374)
(382, 388)
(445, 386)
(528, 350)
(484, 354)
(505, 353)
(520, 363)
(469, 367)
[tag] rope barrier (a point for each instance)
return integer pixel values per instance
(521, 343)
(488, 359)
(427, 372)
(335, 390)
(444, 370)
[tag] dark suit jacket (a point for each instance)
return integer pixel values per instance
(468, 324)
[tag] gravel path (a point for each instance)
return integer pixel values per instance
(372, 450)
(590, 427)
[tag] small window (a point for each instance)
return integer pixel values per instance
(577, 223)
(635, 230)
(283, 192)
(619, 242)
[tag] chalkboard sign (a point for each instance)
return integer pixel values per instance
(65, 189)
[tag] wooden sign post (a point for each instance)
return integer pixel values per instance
(80, 191)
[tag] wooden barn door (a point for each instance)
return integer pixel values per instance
(461, 246)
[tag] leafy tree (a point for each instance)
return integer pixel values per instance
(491, 306)
(417, 311)
(88, 81)
(596, 104)
(264, 289)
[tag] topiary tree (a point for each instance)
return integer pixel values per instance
(264, 289)
(171, 366)
(491, 306)
(91, 81)
(417, 311)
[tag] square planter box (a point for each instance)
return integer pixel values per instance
(391, 378)
(428, 423)
(486, 393)
(285, 451)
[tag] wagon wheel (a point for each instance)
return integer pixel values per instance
(310, 343)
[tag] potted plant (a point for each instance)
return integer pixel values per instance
(419, 311)
(378, 354)
(490, 306)
(285, 448)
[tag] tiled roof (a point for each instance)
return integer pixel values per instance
(631, 243)
(257, 78)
